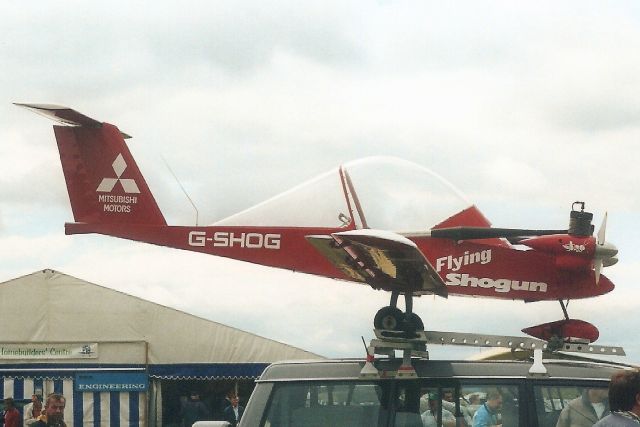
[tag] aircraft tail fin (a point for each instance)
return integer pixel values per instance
(103, 180)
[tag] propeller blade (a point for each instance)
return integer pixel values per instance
(603, 230)
(605, 252)
(598, 267)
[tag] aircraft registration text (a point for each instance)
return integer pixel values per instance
(225, 239)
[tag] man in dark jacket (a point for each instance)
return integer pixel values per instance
(233, 413)
(194, 410)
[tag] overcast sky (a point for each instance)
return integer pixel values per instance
(525, 108)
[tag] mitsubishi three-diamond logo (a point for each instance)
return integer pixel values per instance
(118, 203)
(128, 185)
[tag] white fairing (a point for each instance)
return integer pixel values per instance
(394, 194)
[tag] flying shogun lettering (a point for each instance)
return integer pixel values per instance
(224, 239)
(451, 263)
(454, 263)
(500, 285)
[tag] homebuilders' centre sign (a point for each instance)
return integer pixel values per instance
(49, 351)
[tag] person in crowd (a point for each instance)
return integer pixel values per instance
(624, 399)
(226, 402)
(11, 414)
(193, 410)
(233, 413)
(487, 415)
(448, 401)
(430, 416)
(469, 410)
(53, 415)
(585, 410)
(32, 410)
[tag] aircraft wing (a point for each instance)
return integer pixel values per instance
(383, 259)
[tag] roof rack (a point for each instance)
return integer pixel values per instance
(414, 344)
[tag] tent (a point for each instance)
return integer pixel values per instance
(108, 352)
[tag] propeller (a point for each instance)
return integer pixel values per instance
(605, 254)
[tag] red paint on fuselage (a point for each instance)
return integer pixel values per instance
(468, 268)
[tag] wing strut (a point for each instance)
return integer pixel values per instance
(351, 195)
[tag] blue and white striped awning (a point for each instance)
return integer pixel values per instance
(112, 409)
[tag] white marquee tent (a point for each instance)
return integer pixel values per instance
(107, 351)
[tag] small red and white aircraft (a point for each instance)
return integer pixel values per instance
(339, 226)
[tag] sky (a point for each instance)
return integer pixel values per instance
(524, 107)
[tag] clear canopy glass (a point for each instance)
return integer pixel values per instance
(393, 194)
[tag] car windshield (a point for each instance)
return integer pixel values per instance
(392, 194)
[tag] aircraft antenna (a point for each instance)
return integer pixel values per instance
(365, 345)
(181, 187)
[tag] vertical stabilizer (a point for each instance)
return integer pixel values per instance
(103, 180)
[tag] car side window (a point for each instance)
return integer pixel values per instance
(565, 406)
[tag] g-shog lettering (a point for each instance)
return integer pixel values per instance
(225, 239)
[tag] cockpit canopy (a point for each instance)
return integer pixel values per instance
(383, 193)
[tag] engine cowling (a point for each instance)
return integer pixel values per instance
(571, 252)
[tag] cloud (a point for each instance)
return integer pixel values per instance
(34, 176)
(524, 107)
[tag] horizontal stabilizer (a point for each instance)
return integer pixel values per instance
(64, 115)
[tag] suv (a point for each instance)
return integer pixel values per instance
(341, 393)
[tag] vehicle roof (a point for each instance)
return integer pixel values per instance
(349, 369)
